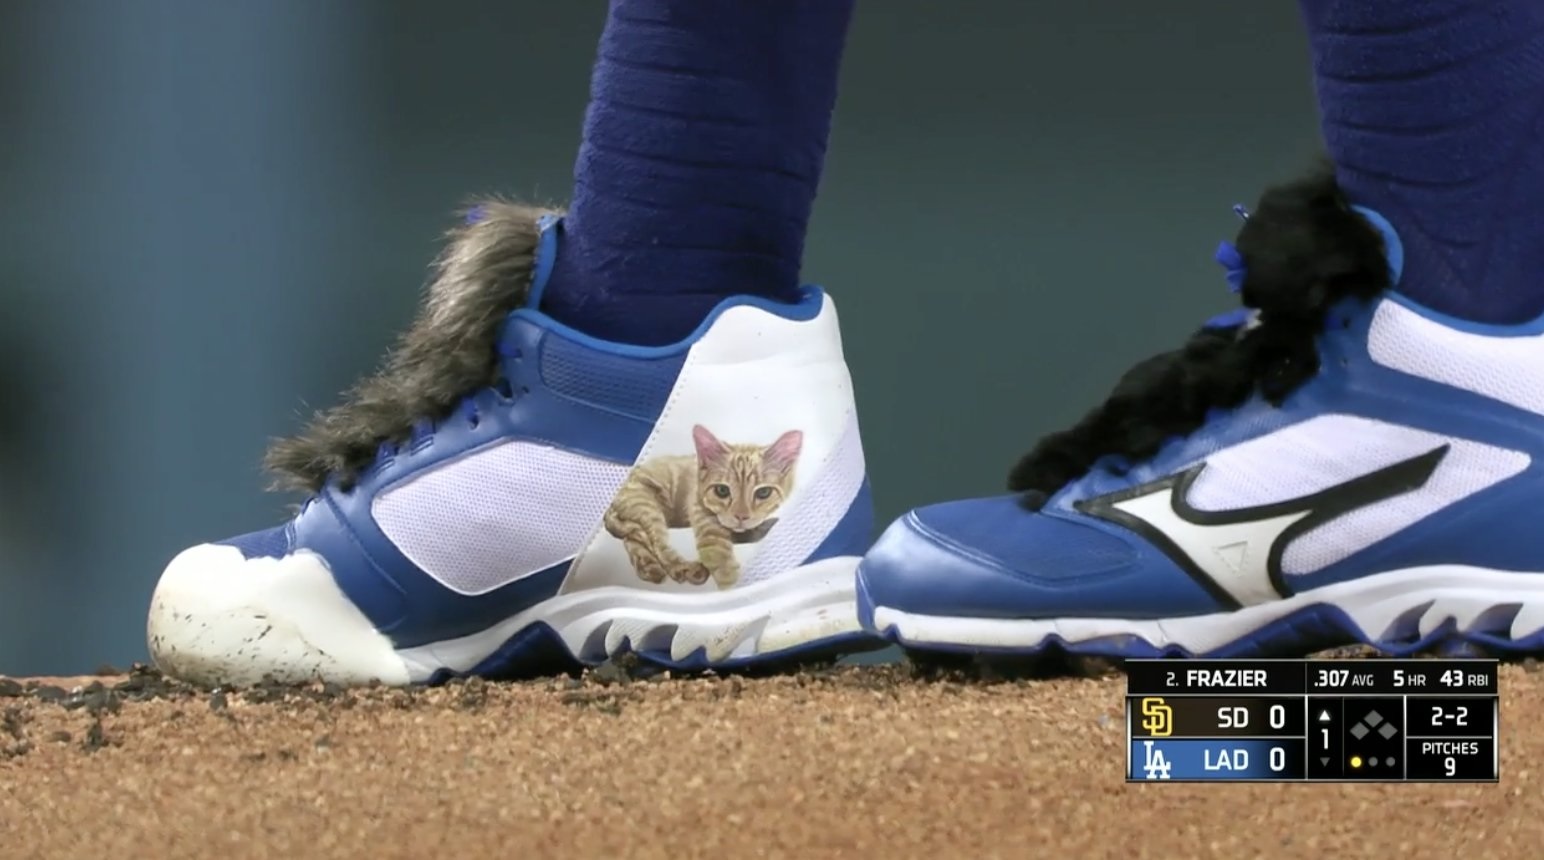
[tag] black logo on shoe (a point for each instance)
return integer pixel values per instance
(1222, 550)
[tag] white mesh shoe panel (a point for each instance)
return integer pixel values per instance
(815, 512)
(1507, 369)
(497, 515)
(1329, 450)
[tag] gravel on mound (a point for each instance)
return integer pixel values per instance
(859, 761)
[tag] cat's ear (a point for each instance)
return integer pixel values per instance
(709, 448)
(782, 454)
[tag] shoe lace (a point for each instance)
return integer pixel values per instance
(1266, 348)
(469, 410)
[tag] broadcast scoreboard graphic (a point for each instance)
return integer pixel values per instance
(1312, 721)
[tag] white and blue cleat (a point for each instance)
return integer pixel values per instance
(703, 505)
(1339, 465)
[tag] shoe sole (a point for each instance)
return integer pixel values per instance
(286, 620)
(1449, 608)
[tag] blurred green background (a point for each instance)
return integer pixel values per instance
(214, 216)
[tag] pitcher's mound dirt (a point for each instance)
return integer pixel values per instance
(859, 762)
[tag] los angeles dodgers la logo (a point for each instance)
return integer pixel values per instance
(1154, 764)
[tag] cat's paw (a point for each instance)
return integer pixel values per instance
(693, 572)
(653, 573)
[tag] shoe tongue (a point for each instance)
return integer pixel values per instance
(519, 341)
(548, 228)
(1393, 248)
(522, 329)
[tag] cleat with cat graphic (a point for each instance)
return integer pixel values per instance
(509, 497)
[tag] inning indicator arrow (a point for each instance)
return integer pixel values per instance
(1324, 716)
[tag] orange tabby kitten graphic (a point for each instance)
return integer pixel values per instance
(727, 494)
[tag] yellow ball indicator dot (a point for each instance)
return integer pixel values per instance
(1356, 761)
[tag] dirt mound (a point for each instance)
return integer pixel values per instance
(854, 762)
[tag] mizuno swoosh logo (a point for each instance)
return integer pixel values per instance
(1236, 555)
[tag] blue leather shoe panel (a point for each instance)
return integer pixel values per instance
(939, 561)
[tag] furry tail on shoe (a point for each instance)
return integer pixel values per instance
(483, 274)
(1304, 249)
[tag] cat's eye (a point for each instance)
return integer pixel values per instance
(721, 490)
(763, 493)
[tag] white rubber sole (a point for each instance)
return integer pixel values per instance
(1402, 605)
(218, 617)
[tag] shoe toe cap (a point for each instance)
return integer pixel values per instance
(253, 608)
(990, 558)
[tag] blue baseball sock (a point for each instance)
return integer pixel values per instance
(1433, 111)
(703, 147)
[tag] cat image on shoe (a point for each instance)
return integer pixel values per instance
(726, 493)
